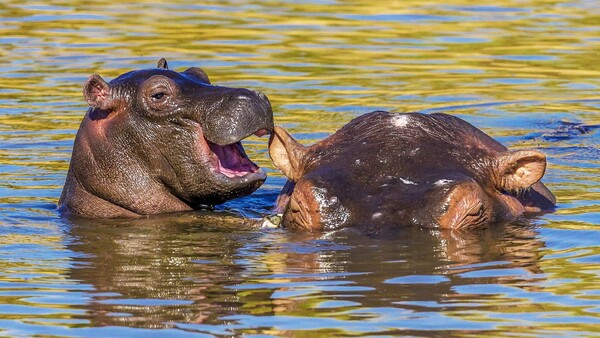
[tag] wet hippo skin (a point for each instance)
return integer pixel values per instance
(386, 170)
(156, 140)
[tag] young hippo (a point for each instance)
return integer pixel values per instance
(156, 141)
(383, 170)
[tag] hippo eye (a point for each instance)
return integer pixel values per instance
(158, 96)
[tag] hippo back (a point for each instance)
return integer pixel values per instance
(386, 169)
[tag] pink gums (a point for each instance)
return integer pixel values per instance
(232, 161)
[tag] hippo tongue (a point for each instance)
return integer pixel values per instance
(231, 160)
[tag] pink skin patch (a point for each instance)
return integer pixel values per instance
(231, 160)
(261, 133)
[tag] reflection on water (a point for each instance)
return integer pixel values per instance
(202, 277)
(525, 72)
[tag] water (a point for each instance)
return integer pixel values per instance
(526, 72)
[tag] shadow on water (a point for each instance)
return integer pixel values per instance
(202, 273)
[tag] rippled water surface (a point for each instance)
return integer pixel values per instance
(527, 72)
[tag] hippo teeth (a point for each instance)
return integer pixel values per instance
(232, 160)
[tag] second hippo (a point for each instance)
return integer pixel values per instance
(155, 140)
(386, 170)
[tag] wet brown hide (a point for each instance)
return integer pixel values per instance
(384, 169)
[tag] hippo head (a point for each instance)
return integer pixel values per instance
(157, 140)
(384, 169)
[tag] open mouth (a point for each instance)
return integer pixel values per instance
(231, 160)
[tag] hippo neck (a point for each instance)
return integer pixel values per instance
(109, 188)
(75, 199)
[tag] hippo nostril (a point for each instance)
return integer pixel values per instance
(247, 95)
(239, 94)
(260, 95)
(239, 97)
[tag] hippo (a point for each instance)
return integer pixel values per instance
(385, 170)
(156, 141)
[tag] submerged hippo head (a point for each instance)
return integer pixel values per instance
(156, 140)
(386, 169)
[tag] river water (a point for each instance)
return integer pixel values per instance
(526, 72)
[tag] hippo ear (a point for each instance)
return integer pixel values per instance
(97, 93)
(519, 169)
(198, 74)
(162, 63)
(286, 153)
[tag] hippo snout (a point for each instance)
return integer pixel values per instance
(240, 113)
